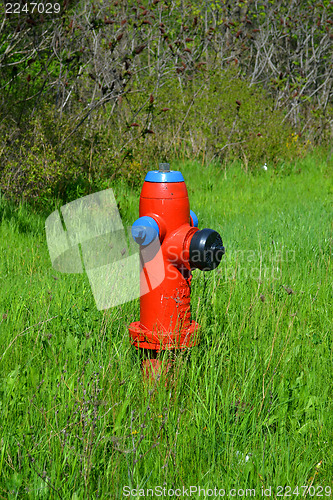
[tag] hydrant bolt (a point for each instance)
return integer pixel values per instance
(164, 167)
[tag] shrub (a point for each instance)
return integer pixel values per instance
(220, 117)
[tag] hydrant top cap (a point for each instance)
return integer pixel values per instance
(167, 176)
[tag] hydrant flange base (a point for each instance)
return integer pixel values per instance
(143, 338)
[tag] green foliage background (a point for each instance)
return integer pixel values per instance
(250, 406)
(106, 90)
(93, 99)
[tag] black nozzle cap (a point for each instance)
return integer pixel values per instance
(206, 250)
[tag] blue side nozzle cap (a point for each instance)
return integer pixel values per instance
(145, 230)
(195, 220)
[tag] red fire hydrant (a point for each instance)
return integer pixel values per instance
(170, 246)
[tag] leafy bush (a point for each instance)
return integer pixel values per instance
(217, 116)
(221, 118)
(109, 90)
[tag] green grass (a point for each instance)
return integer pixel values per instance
(75, 418)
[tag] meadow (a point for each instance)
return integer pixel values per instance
(249, 407)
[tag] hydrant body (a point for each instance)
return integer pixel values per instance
(168, 250)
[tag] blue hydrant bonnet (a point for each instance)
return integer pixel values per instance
(167, 176)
